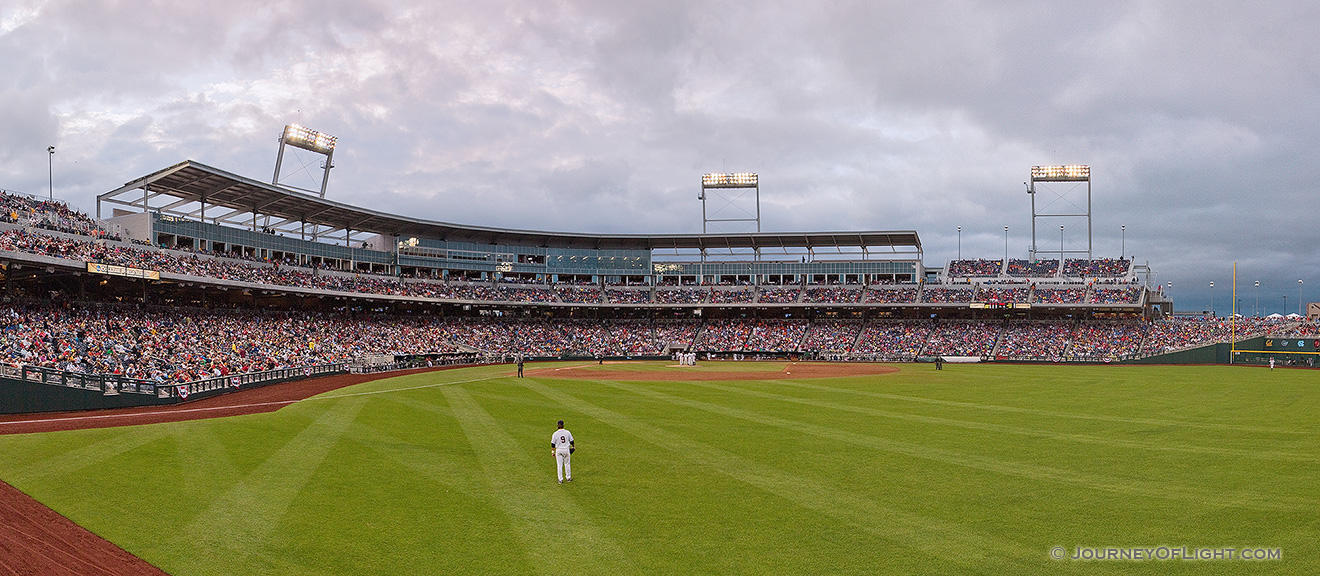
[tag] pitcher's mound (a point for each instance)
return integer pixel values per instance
(712, 370)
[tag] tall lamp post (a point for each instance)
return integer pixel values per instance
(50, 170)
(1006, 245)
(960, 242)
(1122, 250)
(1299, 296)
(1212, 298)
(1256, 310)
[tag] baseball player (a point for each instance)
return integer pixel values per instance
(561, 445)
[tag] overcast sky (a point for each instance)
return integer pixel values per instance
(1199, 119)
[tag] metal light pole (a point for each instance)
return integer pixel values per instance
(1299, 296)
(1212, 299)
(1006, 245)
(1256, 309)
(50, 167)
(1061, 257)
(960, 242)
(1123, 246)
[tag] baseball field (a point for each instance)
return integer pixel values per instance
(722, 468)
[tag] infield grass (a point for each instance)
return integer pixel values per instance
(976, 469)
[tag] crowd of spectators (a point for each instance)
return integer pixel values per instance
(1033, 268)
(623, 296)
(681, 295)
(991, 294)
(891, 295)
(731, 296)
(771, 295)
(676, 333)
(1189, 332)
(892, 339)
(1059, 295)
(776, 335)
(165, 346)
(175, 345)
(727, 335)
(48, 215)
(946, 295)
(831, 336)
(244, 268)
(1129, 295)
(1102, 268)
(578, 294)
(1034, 340)
(964, 268)
(831, 295)
(1106, 340)
(962, 339)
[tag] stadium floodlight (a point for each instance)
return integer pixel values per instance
(311, 141)
(1071, 176)
(729, 180)
(1069, 173)
(729, 188)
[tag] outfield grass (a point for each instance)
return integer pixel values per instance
(978, 469)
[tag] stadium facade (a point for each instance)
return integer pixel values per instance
(199, 281)
(198, 208)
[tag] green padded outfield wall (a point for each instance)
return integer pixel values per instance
(21, 396)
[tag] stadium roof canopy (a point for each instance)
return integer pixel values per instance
(200, 192)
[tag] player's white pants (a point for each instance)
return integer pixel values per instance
(562, 464)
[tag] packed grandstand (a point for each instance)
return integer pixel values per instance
(83, 299)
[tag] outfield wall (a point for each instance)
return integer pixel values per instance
(19, 396)
(1213, 354)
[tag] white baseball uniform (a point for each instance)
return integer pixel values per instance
(562, 440)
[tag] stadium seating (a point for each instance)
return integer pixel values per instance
(974, 268)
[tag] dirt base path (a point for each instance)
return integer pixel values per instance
(37, 540)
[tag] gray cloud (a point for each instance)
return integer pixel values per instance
(1199, 120)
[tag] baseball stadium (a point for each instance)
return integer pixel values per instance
(212, 374)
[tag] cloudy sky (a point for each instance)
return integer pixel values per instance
(1199, 119)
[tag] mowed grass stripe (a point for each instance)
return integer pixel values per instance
(1042, 412)
(1015, 430)
(238, 523)
(557, 535)
(1131, 486)
(443, 469)
(119, 441)
(940, 540)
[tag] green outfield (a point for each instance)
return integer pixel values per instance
(975, 469)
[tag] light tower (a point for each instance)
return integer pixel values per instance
(728, 191)
(1068, 190)
(311, 141)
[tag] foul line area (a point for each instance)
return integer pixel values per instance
(37, 540)
(252, 401)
